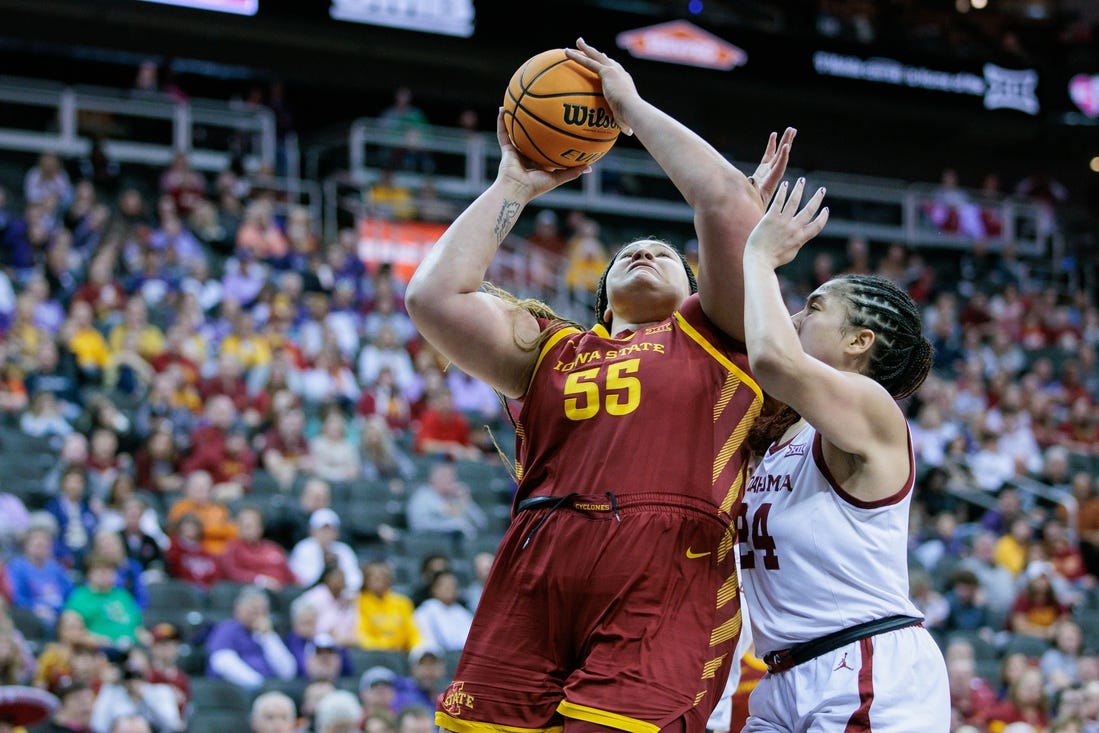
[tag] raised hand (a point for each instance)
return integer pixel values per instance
(772, 166)
(784, 230)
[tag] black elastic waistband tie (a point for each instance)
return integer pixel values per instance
(614, 505)
(553, 506)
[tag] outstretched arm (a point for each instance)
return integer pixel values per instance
(726, 203)
(479, 332)
(851, 411)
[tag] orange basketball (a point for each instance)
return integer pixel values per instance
(555, 112)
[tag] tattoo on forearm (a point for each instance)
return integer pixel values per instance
(506, 219)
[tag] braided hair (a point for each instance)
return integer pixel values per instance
(601, 299)
(901, 356)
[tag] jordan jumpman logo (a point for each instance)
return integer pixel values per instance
(843, 664)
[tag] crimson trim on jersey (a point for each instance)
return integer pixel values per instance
(859, 722)
(818, 457)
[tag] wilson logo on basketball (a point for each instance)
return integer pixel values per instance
(454, 699)
(579, 115)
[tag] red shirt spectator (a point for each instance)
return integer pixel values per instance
(444, 430)
(252, 559)
(187, 559)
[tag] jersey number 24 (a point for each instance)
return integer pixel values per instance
(753, 534)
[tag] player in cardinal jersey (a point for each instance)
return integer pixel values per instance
(613, 602)
(824, 522)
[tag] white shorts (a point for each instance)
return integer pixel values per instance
(891, 683)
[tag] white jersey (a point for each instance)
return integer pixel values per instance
(816, 559)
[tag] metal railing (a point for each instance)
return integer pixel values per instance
(137, 127)
(461, 165)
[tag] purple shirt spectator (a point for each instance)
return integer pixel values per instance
(245, 650)
(38, 581)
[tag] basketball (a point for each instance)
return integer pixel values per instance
(555, 112)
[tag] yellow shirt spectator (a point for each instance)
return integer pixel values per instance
(90, 348)
(149, 343)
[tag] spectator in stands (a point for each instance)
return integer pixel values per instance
(73, 652)
(376, 692)
(39, 582)
(931, 603)
(76, 519)
(385, 616)
(137, 525)
(288, 522)
(386, 351)
(150, 339)
(187, 557)
(332, 604)
(389, 199)
(325, 659)
(302, 638)
(107, 543)
(134, 694)
(86, 342)
(218, 527)
(384, 399)
(107, 610)
(338, 712)
(156, 463)
(482, 564)
(445, 504)
(329, 380)
(183, 184)
(1085, 489)
(1009, 507)
(259, 236)
(585, 261)
(75, 712)
(430, 564)
(1037, 609)
(164, 650)
(972, 700)
(472, 397)
(1012, 550)
(16, 659)
(408, 124)
(246, 650)
(16, 521)
(968, 609)
(431, 206)
(45, 418)
(273, 712)
(996, 581)
(1060, 664)
(443, 431)
(286, 449)
(334, 457)
(311, 696)
(1026, 703)
(427, 668)
(310, 556)
(442, 618)
(252, 559)
(230, 464)
(382, 458)
(48, 183)
(1064, 555)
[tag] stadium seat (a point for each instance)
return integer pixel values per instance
(175, 595)
(209, 694)
(222, 595)
(982, 648)
(218, 721)
(1032, 646)
(364, 659)
(295, 688)
(29, 625)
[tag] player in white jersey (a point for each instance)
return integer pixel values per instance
(824, 524)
